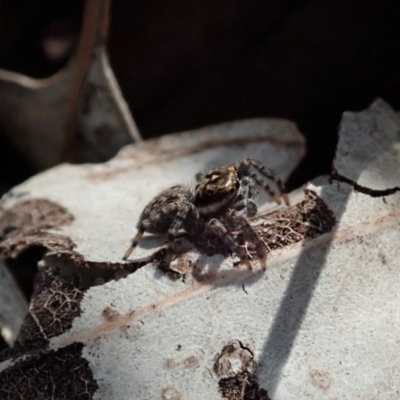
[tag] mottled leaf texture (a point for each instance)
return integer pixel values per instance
(57, 374)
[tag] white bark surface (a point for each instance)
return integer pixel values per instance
(369, 147)
(322, 322)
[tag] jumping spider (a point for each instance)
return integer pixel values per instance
(212, 208)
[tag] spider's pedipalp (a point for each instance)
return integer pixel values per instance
(247, 194)
(249, 205)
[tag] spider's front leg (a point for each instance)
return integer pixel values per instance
(244, 170)
(216, 227)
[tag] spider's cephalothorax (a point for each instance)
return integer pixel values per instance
(222, 186)
(213, 207)
(217, 190)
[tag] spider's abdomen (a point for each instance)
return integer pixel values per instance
(160, 213)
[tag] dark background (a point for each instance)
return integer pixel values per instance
(183, 65)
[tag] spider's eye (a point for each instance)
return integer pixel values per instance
(209, 192)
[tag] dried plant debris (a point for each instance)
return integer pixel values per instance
(279, 229)
(61, 374)
(25, 225)
(35, 214)
(235, 367)
(54, 305)
(306, 220)
(242, 386)
(91, 273)
(97, 266)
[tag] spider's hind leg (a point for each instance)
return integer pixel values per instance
(135, 241)
(187, 218)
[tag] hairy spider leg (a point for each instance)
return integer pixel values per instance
(135, 241)
(182, 218)
(219, 229)
(244, 169)
(194, 224)
(266, 187)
